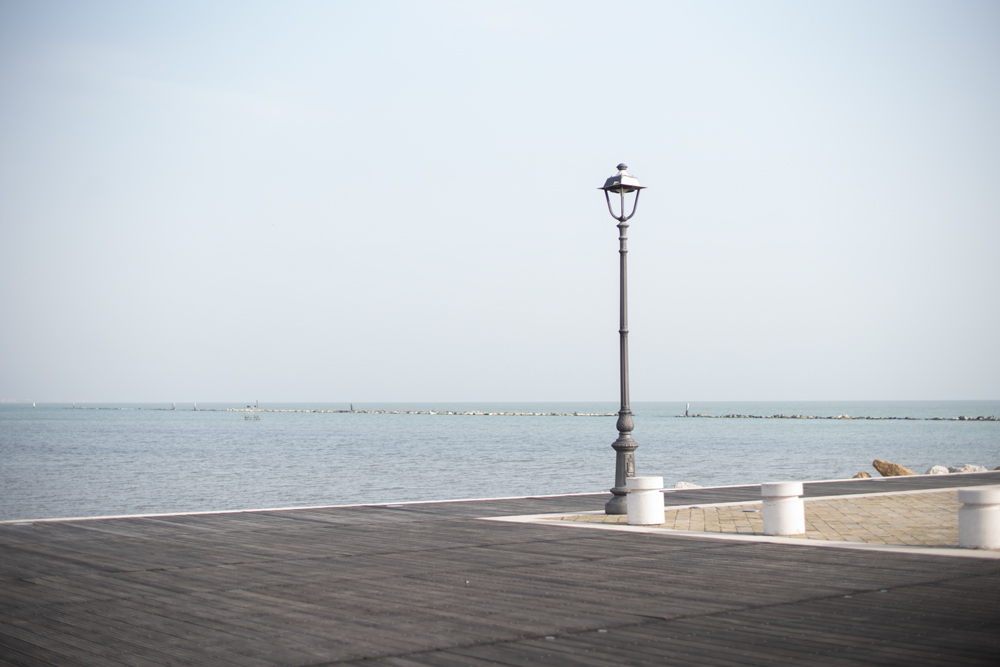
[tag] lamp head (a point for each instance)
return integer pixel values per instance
(622, 182)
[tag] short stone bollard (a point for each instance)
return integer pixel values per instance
(784, 513)
(644, 501)
(979, 518)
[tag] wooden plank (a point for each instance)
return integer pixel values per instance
(124, 643)
(345, 584)
(60, 647)
(15, 651)
(287, 642)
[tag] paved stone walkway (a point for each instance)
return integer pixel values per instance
(910, 519)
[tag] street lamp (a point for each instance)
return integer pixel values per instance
(621, 184)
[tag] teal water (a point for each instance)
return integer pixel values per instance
(57, 462)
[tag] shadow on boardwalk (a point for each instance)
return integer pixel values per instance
(431, 584)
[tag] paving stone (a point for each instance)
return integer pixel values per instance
(911, 519)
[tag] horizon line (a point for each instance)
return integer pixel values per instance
(9, 401)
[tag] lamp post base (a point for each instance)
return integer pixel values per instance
(624, 448)
(618, 504)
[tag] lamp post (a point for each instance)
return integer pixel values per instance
(622, 183)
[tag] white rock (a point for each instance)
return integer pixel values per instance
(936, 470)
(686, 485)
(968, 467)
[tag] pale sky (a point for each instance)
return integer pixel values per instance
(397, 201)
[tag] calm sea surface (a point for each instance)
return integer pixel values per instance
(59, 462)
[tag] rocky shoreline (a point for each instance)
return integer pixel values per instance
(890, 469)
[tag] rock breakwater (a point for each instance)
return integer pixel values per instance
(439, 412)
(926, 419)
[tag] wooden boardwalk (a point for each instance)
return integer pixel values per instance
(430, 584)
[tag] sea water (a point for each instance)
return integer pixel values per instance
(56, 461)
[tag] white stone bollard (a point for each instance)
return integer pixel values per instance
(644, 501)
(784, 513)
(979, 518)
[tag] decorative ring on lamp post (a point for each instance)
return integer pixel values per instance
(622, 183)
